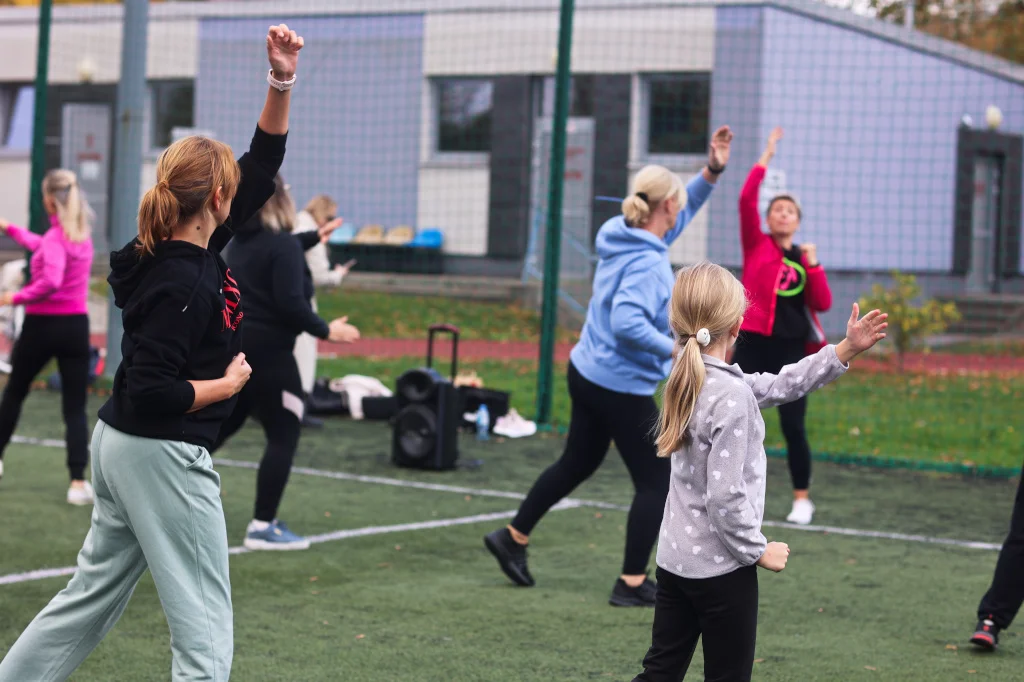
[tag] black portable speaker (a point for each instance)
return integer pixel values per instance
(426, 428)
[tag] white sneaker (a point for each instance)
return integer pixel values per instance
(514, 426)
(803, 512)
(81, 496)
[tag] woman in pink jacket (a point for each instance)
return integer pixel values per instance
(56, 321)
(787, 288)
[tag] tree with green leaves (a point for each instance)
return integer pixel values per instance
(993, 26)
(911, 320)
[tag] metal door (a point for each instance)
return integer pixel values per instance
(85, 149)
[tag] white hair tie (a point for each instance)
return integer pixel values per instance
(703, 337)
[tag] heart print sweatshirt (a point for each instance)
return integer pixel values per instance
(712, 523)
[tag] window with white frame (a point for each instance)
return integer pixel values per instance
(463, 114)
(677, 117)
(172, 105)
(17, 104)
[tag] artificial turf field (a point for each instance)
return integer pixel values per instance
(413, 595)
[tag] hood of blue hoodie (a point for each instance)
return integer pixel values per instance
(608, 354)
(616, 239)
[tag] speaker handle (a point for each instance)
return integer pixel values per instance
(446, 329)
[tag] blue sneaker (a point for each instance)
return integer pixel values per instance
(275, 536)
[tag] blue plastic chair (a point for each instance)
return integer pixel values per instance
(343, 235)
(428, 238)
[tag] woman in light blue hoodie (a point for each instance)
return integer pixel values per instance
(624, 352)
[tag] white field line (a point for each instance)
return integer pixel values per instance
(484, 492)
(400, 483)
(42, 574)
(568, 503)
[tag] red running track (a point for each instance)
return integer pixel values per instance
(401, 348)
(931, 363)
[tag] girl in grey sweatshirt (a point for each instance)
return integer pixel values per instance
(711, 427)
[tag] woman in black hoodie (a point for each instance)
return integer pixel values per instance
(267, 261)
(157, 496)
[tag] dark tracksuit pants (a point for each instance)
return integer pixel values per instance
(44, 337)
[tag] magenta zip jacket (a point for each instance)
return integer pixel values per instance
(60, 271)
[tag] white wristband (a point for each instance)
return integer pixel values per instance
(280, 86)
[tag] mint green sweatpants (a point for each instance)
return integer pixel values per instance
(158, 507)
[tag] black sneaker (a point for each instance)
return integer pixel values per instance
(511, 556)
(986, 635)
(624, 595)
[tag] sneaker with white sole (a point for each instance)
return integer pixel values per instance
(275, 535)
(81, 496)
(513, 425)
(802, 514)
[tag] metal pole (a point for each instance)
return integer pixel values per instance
(124, 199)
(553, 247)
(36, 214)
(908, 14)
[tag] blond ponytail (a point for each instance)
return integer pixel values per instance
(73, 211)
(706, 298)
(278, 214)
(651, 186)
(636, 210)
(681, 391)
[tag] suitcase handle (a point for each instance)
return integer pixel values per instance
(445, 329)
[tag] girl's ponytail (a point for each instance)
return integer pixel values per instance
(707, 303)
(680, 397)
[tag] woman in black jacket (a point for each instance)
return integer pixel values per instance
(267, 261)
(158, 503)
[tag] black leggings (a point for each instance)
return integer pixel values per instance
(763, 354)
(721, 610)
(44, 337)
(274, 396)
(600, 416)
(1006, 594)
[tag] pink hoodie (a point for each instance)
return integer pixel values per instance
(60, 271)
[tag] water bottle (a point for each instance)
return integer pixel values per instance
(483, 423)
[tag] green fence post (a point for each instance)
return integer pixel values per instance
(36, 214)
(553, 246)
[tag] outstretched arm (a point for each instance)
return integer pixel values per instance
(266, 151)
(750, 221)
(797, 380)
(699, 188)
(30, 240)
(769, 150)
(47, 278)
(283, 47)
(831, 362)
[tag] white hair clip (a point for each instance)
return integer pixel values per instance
(703, 337)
